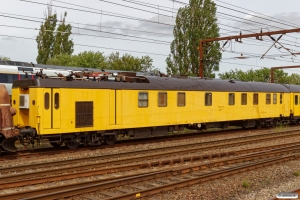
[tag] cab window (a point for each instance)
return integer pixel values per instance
(46, 100)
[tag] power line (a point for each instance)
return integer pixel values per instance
(154, 41)
(102, 26)
(126, 50)
(103, 13)
(73, 33)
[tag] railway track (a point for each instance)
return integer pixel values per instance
(125, 187)
(38, 152)
(119, 165)
(158, 152)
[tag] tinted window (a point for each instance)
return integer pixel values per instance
(296, 99)
(244, 99)
(231, 99)
(46, 100)
(208, 99)
(180, 99)
(255, 99)
(268, 98)
(56, 101)
(162, 99)
(274, 98)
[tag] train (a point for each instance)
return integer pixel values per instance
(16, 70)
(96, 111)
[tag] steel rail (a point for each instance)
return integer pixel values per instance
(57, 174)
(194, 167)
(214, 144)
(83, 187)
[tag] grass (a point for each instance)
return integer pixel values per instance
(246, 184)
(296, 174)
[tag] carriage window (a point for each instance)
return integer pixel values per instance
(162, 99)
(143, 99)
(46, 100)
(56, 101)
(180, 99)
(274, 98)
(296, 99)
(244, 99)
(255, 99)
(208, 99)
(268, 98)
(280, 98)
(231, 99)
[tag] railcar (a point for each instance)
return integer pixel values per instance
(93, 112)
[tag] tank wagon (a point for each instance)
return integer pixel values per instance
(93, 112)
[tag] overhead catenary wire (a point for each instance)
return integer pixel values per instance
(94, 46)
(161, 6)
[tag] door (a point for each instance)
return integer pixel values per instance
(46, 117)
(115, 107)
(52, 115)
(56, 115)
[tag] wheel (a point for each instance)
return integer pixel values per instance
(72, 145)
(56, 144)
(110, 140)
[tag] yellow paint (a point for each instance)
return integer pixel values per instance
(138, 195)
(118, 109)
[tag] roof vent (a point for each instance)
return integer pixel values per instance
(232, 81)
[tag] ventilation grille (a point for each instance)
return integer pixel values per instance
(84, 114)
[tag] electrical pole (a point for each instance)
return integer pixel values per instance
(238, 39)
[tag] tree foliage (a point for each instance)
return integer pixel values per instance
(261, 75)
(194, 22)
(4, 58)
(114, 61)
(52, 41)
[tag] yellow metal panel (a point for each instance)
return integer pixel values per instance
(33, 107)
(46, 117)
(112, 107)
(56, 108)
(119, 103)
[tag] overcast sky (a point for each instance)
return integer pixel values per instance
(122, 22)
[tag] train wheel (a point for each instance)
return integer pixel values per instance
(110, 140)
(56, 144)
(72, 145)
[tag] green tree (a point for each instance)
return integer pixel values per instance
(62, 43)
(128, 62)
(4, 58)
(261, 75)
(51, 42)
(194, 22)
(87, 59)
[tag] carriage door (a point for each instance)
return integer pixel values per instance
(115, 107)
(51, 118)
(56, 108)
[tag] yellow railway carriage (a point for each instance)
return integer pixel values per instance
(93, 112)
